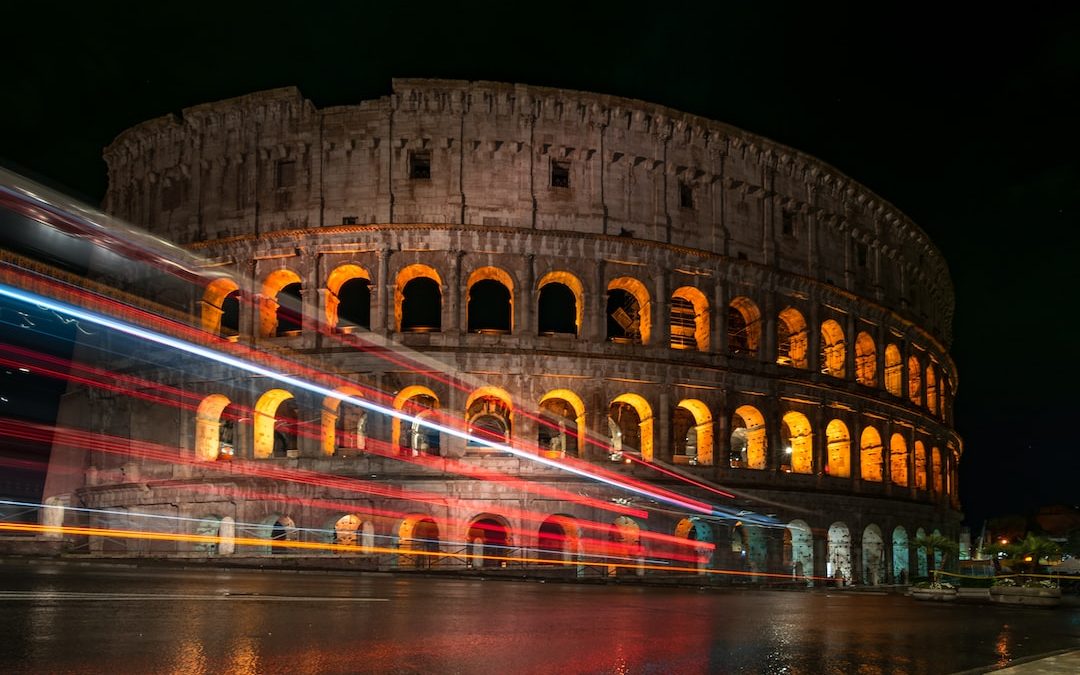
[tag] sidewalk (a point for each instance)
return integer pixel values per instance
(1063, 663)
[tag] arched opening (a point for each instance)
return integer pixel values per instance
(894, 370)
(346, 529)
(798, 442)
(625, 544)
(692, 433)
(865, 360)
(215, 428)
(279, 529)
(628, 311)
(208, 526)
(832, 349)
(558, 539)
(562, 418)
(689, 319)
(920, 465)
(748, 441)
(920, 555)
(744, 327)
(791, 339)
(936, 469)
(221, 308)
(695, 529)
(557, 310)
(838, 564)
(489, 540)
(914, 380)
(870, 455)
(900, 555)
(413, 437)
(931, 390)
(898, 460)
(281, 312)
(348, 298)
(276, 420)
(344, 425)
(630, 426)
(873, 548)
(799, 551)
(490, 303)
(839, 460)
(418, 300)
(418, 540)
(488, 416)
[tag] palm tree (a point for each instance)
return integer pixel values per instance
(1024, 555)
(937, 542)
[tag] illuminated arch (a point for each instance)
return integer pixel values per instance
(632, 321)
(914, 380)
(549, 319)
(270, 304)
(489, 415)
(346, 529)
(744, 327)
(418, 540)
(833, 349)
(279, 528)
(331, 414)
(208, 437)
(689, 319)
(749, 443)
(865, 360)
(901, 554)
(799, 443)
(798, 552)
(644, 426)
(894, 370)
(404, 276)
(489, 296)
(920, 465)
(265, 421)
(558, 539)
(838, 563)
(341, 275)
(625, 543)
(792, 339)
(579, 431)
(931, 390)
(898, 460)
(870, 455)
(214, 306)
(936, 469)
(407, 394)
(489, 537)
(839, 460)
(701, 433)
(696, 529)
(873, 549)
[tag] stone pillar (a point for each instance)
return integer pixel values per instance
(821, 556)
(250, 302)
(855, 432)
(527, 299)
(721, 439)
(881, 341)
(453, 311)
(596, 310)
(813, 336)
(767, 348)
(850, 368)
(662, 427)
(596, 414)
(821, 440)
(383, 320)
(454, 446)
(719, 317)
(661, 312)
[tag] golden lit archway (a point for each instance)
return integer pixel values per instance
(839, 460)
(404, 276)
(744, 326)
(483, 303)
(898, 460)
(355, 419)
(749, 443)
(701, 433)
(489, 416)
(418, 540)
(936, 469)
(337, 279)
(558, 538)
(208, 437)
(799, 443)
(578, 406)
(689, 319)
(920, 465)
(641, 324)
(832, 349)
(571, 282)
(644, 423)
(865, 360)
(894, 370)
(426, 399)
(931, 390)
(274, 283)
(914, 380)
(213, 306)
(870, 455)
(266, 420)
(792, 339)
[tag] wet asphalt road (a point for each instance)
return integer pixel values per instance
(63, 618)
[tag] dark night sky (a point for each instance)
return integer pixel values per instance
(963, 118)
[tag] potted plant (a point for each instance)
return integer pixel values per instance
(1025, 590)
(934, 590)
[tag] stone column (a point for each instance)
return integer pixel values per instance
(452, 296)
(767, 348)
(813, 336)
(383, 320)
(527, 299)
(850, 367)
(719, 317)
(661, 333)
(662, 427)
(596, 311)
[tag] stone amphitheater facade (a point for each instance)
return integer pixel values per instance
(603, 278)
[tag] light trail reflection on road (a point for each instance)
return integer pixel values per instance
(67, 618)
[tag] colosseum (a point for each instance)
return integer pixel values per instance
(594, 292)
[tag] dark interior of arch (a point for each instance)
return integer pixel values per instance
(421, 306)
(623, 316)
(489, 307)
(557, 310)
(738, 338)
(230, 314)
(354, 303)
(289, 312)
